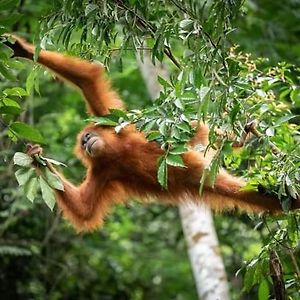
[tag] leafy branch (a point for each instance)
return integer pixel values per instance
(146, 25)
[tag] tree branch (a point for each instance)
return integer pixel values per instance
(251, 127)
(277, 276)
(146, 25)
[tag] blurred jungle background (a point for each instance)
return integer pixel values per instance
(141, 252)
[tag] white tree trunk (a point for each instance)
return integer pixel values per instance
(197, 222)
(204, 252)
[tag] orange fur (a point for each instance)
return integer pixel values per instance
(124, 165)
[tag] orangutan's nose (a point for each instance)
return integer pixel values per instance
(86, 137)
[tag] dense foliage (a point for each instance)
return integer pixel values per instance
(140, 254)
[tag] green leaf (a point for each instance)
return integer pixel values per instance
(37, 51)
(163, 128)
(22, 159)
(283, 120)
(227, 148)
(153, 135)
(30, 82)
(175, 161)
(292, 191)
(175, 133)
(7, 4)
(23, 175)
(9, 106)
(284, 93)
(14, 64)
(148, 125)
(186, 23)
(249, 279)
(105, 121)
(179, 104)
(286, 204)
(233, 113)
(204, 102)
(198, 76)
(288, 180)
(119, 113)
(52, 161)
(53, 180)
(12, 136)
(31, 188)
(179, 149)
(163, 82)
(295, 96)
(90, 8)
(263, 290)
(157, 50)
(203, 93)
(202, 181)
(16, 91)
(47, 193)
(184, 127)
(162, 172)
(10, 19)
(26, 131)
(6, 72)
(2, 30)
(213, 170)
(14, 251)
(41, 161)
(270, 131)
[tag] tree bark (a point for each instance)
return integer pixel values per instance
(197, 222)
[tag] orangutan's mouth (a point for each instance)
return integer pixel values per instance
(90, 144)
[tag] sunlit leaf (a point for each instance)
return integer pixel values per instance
(179, 149)
(31, 188)
(270, 131)
(22, 159)
(47, 193)
(16, 91)
(175, 161)
(23, 175)
(53, 180)
(53, 161)
(27, 132)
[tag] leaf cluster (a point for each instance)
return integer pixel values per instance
(35, 174)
